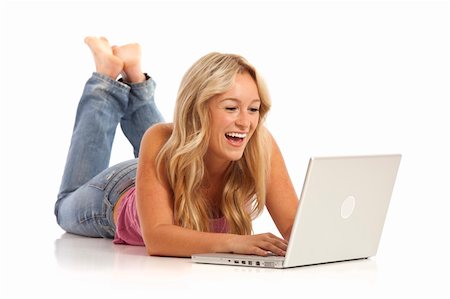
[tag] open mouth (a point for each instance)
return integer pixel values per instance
(236, 138)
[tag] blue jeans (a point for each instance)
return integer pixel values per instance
(89, 187)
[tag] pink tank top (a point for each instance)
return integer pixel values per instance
(128, 230)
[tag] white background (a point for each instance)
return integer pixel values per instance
(358, 77)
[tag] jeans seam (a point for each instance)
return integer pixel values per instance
(102, 216)
(114, 179)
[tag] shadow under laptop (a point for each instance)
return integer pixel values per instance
(361, 269)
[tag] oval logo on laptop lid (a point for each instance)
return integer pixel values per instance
(347, 207)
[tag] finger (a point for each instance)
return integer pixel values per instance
(281, 240)
(281, 245)
(272, 236)
(273, 243)
(259, 251)
(277, 241)
(273, 248)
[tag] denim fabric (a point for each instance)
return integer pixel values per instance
(89, 187)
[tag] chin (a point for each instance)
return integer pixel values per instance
(236, 157)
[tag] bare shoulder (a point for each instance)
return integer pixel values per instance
(155, 137)
(159, 131)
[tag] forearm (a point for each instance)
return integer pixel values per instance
(172, 240)
(287, 234)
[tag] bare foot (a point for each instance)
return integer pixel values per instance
(105, 61)
(130, 55)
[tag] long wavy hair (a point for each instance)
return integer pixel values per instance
(182, 156)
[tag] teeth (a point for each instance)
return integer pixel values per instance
(238, 135)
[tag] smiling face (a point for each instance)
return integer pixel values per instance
(234, 118)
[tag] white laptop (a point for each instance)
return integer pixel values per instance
(340, 217)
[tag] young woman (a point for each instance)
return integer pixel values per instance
(196, 183)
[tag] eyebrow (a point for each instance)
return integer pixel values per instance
(237, 100)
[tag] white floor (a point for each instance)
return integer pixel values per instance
(60, 265)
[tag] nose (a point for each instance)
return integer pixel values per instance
(243, 120)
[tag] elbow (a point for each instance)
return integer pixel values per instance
(154, 246)
(156, 243)
(152, 252)
(160, 241)
(164, 251)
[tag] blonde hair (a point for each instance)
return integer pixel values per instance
(243, 196)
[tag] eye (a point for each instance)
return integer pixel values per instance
(253, 110)
(231, 108)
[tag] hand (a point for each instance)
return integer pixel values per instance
(262, 244)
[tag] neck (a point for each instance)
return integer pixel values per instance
(214, 177)
(216, 169)
(213, 184)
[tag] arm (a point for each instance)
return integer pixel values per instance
(281, 201)
(155, 209)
